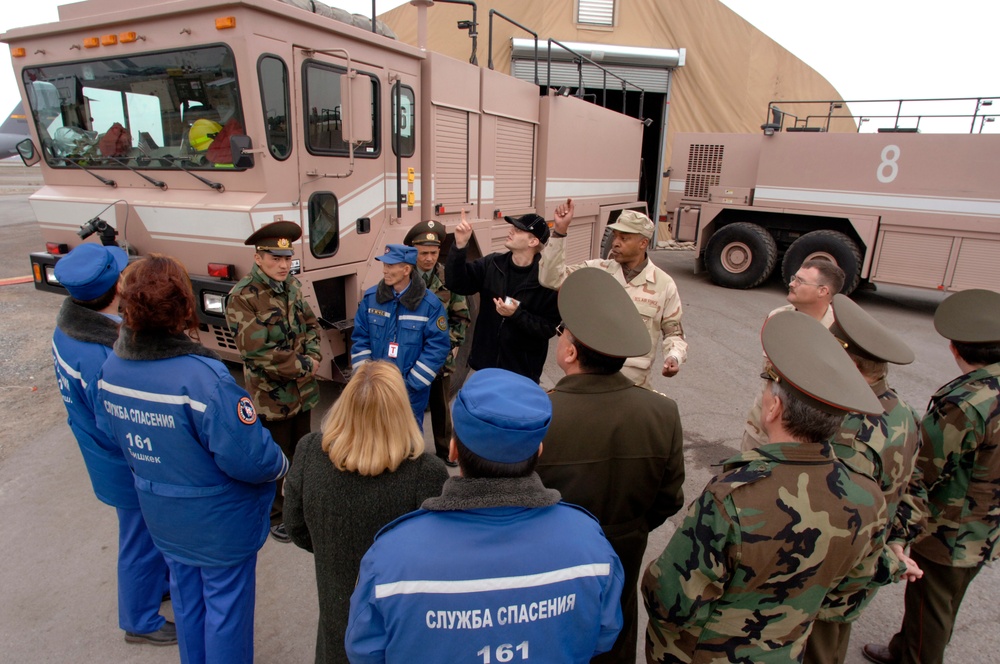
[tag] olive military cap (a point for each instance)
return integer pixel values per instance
(276, 238)
(970, 316)
(599, 314)
(863, 335)
(813, 366)
(425, 233)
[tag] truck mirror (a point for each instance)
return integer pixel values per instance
(237, 145)
(358, 112)
(29, 155)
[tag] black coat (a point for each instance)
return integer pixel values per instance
(617, 450)
(518, 343)
(336, 514)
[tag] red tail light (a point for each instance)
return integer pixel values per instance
(221, 271)
(56, 248)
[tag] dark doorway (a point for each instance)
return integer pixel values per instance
(652, 136)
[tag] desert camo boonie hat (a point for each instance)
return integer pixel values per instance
(630, 221)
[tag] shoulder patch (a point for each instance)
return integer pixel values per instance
(245, 410)
(442, 323)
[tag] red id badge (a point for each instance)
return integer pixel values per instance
(393, 349)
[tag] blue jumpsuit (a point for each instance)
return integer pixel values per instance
(80, 344)
(420, 333)
(205, 470)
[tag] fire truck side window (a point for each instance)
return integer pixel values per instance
(324, 224)
(404, 140)
(161, 110)
(273, 75)
(325, 109)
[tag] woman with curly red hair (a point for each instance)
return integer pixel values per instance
(204, 467)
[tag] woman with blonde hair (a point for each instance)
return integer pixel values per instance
(364, 469)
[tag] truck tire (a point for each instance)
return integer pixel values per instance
(741, 255)
(833, 246)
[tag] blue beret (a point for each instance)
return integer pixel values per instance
(501, 416)
(397, 253)
(90, 270)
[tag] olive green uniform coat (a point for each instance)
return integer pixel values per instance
(617, 450)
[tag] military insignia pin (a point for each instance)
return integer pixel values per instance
(283, 243)
(442, 323)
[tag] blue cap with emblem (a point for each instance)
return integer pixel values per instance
(501, 416)
(90, 270)
(397, 253)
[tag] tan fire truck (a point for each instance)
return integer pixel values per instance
(181, 126)
(900, 202)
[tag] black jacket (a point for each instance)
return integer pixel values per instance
(520, 342)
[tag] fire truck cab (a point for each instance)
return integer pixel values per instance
(182, 126)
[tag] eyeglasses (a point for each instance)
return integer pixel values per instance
(560, 328)
(796, 279)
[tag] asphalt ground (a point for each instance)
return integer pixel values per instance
(57, 580)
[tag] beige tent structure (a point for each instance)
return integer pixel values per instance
(703, 67)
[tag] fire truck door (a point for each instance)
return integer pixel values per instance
(341, 199)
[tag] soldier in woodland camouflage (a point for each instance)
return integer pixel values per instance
(278, 338)
(780, 528)
(427, 237)
(951, 513)
(882, 447)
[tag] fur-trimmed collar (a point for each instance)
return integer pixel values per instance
(86, 325)
(146, 346)
(463, 493)
(411, 297)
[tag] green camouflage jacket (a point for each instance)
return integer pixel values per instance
(883, 448)
(278, 337)
(458, 314)
(746, 573)
(952, 510)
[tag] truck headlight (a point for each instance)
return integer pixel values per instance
(213, 303)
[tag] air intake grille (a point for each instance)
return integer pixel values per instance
(224, 337)
(703, 169)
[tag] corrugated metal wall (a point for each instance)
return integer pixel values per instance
(451, 156)
(515, 158)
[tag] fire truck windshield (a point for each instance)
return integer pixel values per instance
(152, 111)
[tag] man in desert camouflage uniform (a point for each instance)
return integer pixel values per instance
(780, 527)
(951, 513)
(278, 338)
(882, 447)
(810, 290)
(427, 237)
(652, 290)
